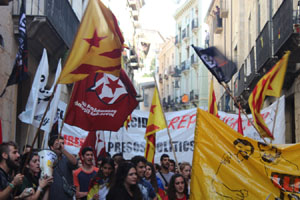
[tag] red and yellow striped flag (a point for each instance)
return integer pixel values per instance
(129, 118)
(97, 46)
(156, 122)
(212, 104)
(270, 84)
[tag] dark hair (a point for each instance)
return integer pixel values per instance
(164, 156)
(136, 159)
(86, 149)
(27, 173)
(117, 154)
(4, 148)
(266, 159)
(244, 142)
(157, 166)
(52, 139)
(119, 180)
(100, 176)
(171, 187)
(153, 180)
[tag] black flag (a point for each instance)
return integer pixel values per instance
(20, 70)
(222, 68)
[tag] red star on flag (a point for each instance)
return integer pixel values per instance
(152, 127)
(152, 108)
(94, 41)
(113, 85)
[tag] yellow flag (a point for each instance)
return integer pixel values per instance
(269, 85)
(212, 104)
(156, 122)
(227, 165)
(97, 46)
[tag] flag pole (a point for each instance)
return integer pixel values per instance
(239, 105)
(39, 128)
(65, 115)
(276, 111)
(170, 139)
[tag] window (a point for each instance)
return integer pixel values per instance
(1, 41)
(146, 100)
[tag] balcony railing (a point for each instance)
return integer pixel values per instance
(283, 24)
(194, 59)
(184, 34)
(195, 24)
(263, 46)
(185, 66)
(217, 25)
(58, 12)
(250, 67)
(239, 83)
(175, 72)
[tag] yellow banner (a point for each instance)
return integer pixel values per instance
(227, 165)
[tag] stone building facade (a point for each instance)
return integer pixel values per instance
(255, 35)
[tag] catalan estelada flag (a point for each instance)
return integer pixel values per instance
(212, 104)
(269, 85)
(156, 122)
(97, 46)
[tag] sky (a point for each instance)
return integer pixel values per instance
(159, 15)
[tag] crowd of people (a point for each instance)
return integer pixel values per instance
(84, 178)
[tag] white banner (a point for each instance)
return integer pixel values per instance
(181, 126)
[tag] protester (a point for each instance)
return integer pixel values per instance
(100, 184)
(177, 189)
(157, 167)
(32, 178)
(186, 169)
(84, 174)
(124, 186)
(164, 174)
(145, 187)
(9, 163)
(62, 173)
(172, 166)
(154, 180)
(118, 158)
(26, 148)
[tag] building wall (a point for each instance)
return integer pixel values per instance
(7, 57)
(240, 30)
(166, 59)
(195, 78)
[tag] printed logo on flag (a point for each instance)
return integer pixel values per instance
(109, 88)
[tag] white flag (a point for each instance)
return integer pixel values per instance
(39, 98)
(37, 92)
(52, 114)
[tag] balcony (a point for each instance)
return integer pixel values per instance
(250, 71)
(135, 15)
(223, 9)
(184, 35)
(263, 47)
(194, 97)
(217, 25)
(195, 25)
(184, 66)
(132, 4)
(175, 72)
(177, 84)
(177, 40)
(51, 24)
(239, 83)
(160, 78)
(194, 61)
